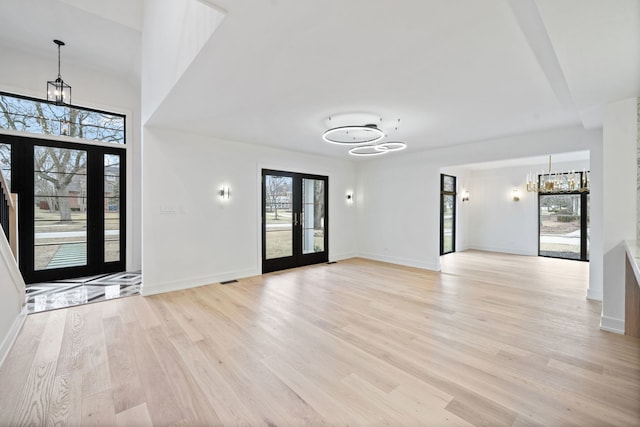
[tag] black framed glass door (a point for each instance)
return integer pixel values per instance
(294, 220)
(564, 222)
(447, 214)
(71, 208)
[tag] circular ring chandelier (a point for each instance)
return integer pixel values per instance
(386, 147)
(366, 138)
(353, 135)
(367, 150)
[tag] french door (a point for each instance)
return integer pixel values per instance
(71, 208)
(294, 220)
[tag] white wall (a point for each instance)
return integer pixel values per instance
(398, 197)
(174, 32)
(24, 74)
(619, 192)
(191, 238)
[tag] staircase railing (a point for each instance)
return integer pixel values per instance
(9, 215)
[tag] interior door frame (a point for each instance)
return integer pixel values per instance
(298, 258)
(22, 183)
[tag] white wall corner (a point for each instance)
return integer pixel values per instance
(611, 324)
(342, 256)
(594, 294)
(416, 263)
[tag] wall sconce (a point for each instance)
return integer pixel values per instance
(516, 194)
(224, 192)
(465, 196)
(349, 197)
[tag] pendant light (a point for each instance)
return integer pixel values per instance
(58, 91)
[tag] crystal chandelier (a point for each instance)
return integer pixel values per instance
(556, 182)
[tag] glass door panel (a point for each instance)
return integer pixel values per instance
(312, 215)
(279, 216)
(447, 214)
(560, 225)
(447, 223)
(111, 189)
(60, 207)
(5, 163)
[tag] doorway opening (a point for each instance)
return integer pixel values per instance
(67, 165)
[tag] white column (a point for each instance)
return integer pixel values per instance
(619, 175)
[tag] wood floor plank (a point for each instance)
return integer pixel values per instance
(158, 388)
(95, 376)
(98, 409)
(66, 404)
(136, 416)
(35, 396)
(125, 381)
(493, 340)
(15, 369)
(189, 396)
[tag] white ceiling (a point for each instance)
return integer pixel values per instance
(104, 35)
(452, 71)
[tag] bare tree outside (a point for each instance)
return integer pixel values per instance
(58, 167)
(26, 115)
(318, 199)
(277, 193)
(278, 216)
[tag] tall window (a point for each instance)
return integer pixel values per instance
(563, 221)
(447, 214)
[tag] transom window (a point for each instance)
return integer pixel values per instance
(36, 116)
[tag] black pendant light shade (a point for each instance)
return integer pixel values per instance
(58, 91)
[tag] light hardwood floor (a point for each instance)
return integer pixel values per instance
(493, 340)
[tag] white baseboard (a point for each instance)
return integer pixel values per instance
(502, 250)
(340, 257)
(612, 325)
(402, 261)
(193, 282)
(594, 295)
(11, 336)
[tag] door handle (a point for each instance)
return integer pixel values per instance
(295, 219)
